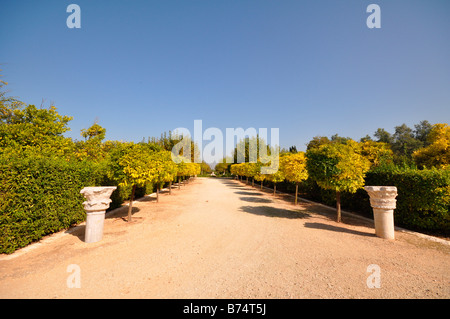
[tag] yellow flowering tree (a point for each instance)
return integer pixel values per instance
(293, 166)
(164, 169)
(137, 169)
(437, 153)
(338, 167)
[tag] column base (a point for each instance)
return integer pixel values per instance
(94, 226)
(384, 223)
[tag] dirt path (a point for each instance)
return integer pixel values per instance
(222, 239)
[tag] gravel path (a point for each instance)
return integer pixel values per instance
(219, 238)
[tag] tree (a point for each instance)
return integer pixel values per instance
(223, 167)
(91, 147)
(275, 175)
(95, 132)
(405, 143)
(437, 153)
(258, 176)
(164, 169)
(294, 169)
(248, 149)
(8, 104)
(293, 149)
(317, 141)
(205, 168)
(383, 136)
(337, 167)
(182, 170)
(421, 132)
(137, 169)
(378, 153)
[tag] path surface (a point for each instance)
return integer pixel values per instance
(223, 239)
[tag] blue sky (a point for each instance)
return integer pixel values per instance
(309, 68)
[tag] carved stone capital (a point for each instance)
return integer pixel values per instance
(382, 197)
(97, 197)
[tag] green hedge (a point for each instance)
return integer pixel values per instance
(423, 201)
(41, 195)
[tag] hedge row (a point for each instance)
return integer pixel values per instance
(423, 201)
(41, 195)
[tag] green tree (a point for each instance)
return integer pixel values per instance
(383, 136)
(337, 167)
(405, 143)
(421, 132)
(317, 141)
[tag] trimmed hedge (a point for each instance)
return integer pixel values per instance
(40, 196)
(423, 200)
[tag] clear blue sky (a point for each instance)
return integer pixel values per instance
(306, 67)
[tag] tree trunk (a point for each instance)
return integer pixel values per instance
(179, 182)
(338, 206)
(130, 206)
(170, 188)
(296, 192)
(261, 184)
(157, 193)
(253, 182)
(274, 189)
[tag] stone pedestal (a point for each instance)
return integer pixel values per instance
(382, 200)
(96, 205)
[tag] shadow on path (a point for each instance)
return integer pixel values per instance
(249, 193)
(337, 229)
(256, 199)
(269, 211)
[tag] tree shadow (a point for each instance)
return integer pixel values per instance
(232, 184)
(249, 193)
(122, 212)
(147, 198)
(338, 229)
(269, 211)
(256, 199)
(79, 231)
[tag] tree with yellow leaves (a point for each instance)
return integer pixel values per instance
(164, 169)
(137, 169)
(437, 153)
(293, 166)
(339, 167)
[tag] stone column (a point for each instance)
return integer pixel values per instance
(382, 200)
(97, 202)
